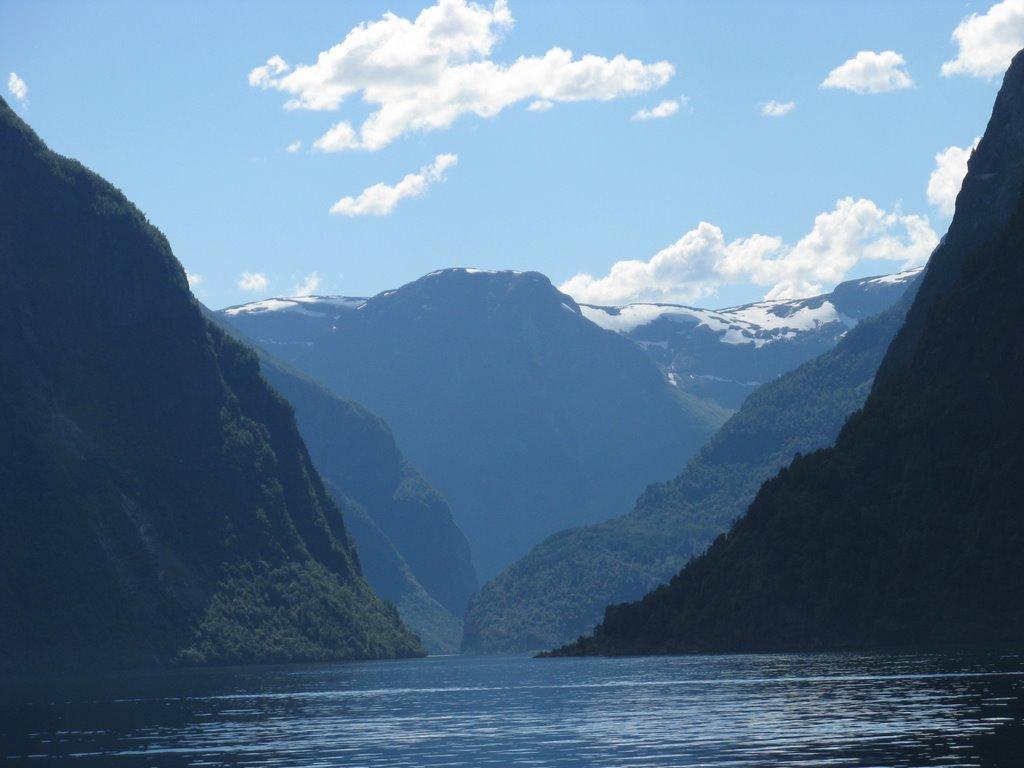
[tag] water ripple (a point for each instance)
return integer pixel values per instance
(844, 710)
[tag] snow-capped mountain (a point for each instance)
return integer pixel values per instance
(724, 354)
(525, 415)
(494, 381)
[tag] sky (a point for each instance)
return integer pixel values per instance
(709, 153)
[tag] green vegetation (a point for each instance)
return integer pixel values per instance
(411, 551)
(526, 416)
(261, 614)
(156, 500)
(560, 589)
(909, 530)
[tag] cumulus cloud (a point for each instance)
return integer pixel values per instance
(702, 260)
(667, 108)
(423, 74)
(17, 87)
(870, 72)
(294, 147)
(777, 108)
(341, 136)
(950, 169)
(308, 286)
(263, 76)
(194, 281)
(381, 198)
(253, 282)
(987, 42)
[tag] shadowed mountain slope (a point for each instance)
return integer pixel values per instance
(156, 500)
(909, 530)
(560, 589)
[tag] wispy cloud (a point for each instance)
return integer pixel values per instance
(17, 87)
(253, 282)
(777, 108)
(667, 108)
(309, 285)
(294, 147)
(423, 74)
(870, 72)
(381, 198)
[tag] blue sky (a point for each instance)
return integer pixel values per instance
(156, 97)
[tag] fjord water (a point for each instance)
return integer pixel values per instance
(836, 710)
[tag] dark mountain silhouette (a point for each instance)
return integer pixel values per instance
(156, 501)
(909, 530)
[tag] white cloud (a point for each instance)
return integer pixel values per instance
(667, 108)
(381, 199)
(341, 136)
(541, 105)
(17, 87)
(702, 260)
(194, 281)
(777, 108)
(294, 147)
(950, 169)
(253, 282)
(986, 43)
(870, 72)
(308, 286)
(422, 74)
(263, 76)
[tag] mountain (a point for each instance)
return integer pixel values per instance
(526, 416)
(411, 551)
(725, 354)
(559, 590)
(157, 503)
(908, 531)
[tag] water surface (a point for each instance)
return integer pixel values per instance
(793, 710)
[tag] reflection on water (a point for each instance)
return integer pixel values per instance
(812, 710)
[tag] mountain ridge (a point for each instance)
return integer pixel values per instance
(509, 376)
(560, 589)
(158, 504)
(907, 530)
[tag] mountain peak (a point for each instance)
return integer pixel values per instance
(474, 271)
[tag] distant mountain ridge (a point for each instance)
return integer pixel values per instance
(525, 415)
(560, 589)
(725, 354)
(716, 354)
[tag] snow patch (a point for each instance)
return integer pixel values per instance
(756, 324)
(297, 305)
(896, 279)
